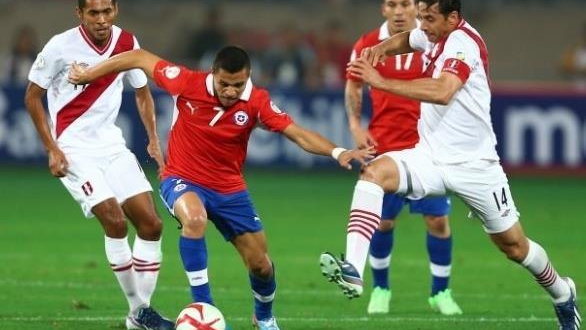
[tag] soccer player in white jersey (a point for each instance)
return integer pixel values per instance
(456, 151)
(87, 151)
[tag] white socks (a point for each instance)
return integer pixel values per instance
(365, 212)
(539, 265)
(146, 256)
(120, 259)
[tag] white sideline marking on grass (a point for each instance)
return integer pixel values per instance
(310, 319)
(321, 292)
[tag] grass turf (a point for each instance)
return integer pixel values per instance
(54, 274)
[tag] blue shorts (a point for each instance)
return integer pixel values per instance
(436, 206)
(232, 214)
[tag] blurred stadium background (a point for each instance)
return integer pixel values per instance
(54, 274)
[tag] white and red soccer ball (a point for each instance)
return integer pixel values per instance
(200, 316)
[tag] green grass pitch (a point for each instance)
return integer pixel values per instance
(54, 274)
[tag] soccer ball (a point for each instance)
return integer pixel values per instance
(200, 316)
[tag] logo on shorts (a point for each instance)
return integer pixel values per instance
(256, 218)
(180, 187)
(240, 118)
(87, 188)
(171, 72)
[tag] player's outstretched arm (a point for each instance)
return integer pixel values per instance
(439, 90)
(313, 142)
(134, 59)
(397, 44)
(34, 104)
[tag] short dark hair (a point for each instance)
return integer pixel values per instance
(445, 6)
(231, 59)
(81, 3)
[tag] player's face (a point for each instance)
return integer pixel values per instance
(400, 14)
(435, 25)
(229, 86)
(97, 18)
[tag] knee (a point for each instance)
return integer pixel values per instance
(151, 228)
(372, 174)
(194, 224)
(438, 226)
(261, 267)
(113, 222)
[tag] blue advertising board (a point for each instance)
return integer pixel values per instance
(535, 130)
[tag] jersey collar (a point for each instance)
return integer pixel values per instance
(88, 40)
(245, 94)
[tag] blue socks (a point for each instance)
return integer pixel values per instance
(381, 246)
(440, 257)
(195, 262)
(264, 294)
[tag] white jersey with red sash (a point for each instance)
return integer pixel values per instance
(462, 130)
(83, 117)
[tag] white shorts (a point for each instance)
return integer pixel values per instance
(93, 179)
(481, 184)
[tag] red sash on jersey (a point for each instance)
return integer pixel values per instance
(84, 100)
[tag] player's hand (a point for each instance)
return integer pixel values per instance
(361, 155)
(58, 164)
(375, 54)
(362, 138)
(77, 75)
(154, 150)
(362, 69)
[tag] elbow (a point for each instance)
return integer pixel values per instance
(442, 98)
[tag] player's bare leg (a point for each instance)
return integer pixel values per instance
(253, 250)
(533, 257)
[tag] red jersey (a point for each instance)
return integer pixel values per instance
(394, 118)
(207, 142)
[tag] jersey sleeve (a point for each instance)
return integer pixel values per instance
(47, 64)
(418, 39)
(270, 116)
(136, 77)
(172, 78)
(358, 46)
(459, 56)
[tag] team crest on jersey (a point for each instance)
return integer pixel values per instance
(275, 108)
(241, 118)
(171, 72)
(460, 56)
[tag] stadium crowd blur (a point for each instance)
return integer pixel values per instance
(288, 57)
(308, 51)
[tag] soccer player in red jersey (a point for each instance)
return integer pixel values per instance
(215, 113)
(393, 126)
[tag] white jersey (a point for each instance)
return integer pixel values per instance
(83, 117)
(462, 130)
